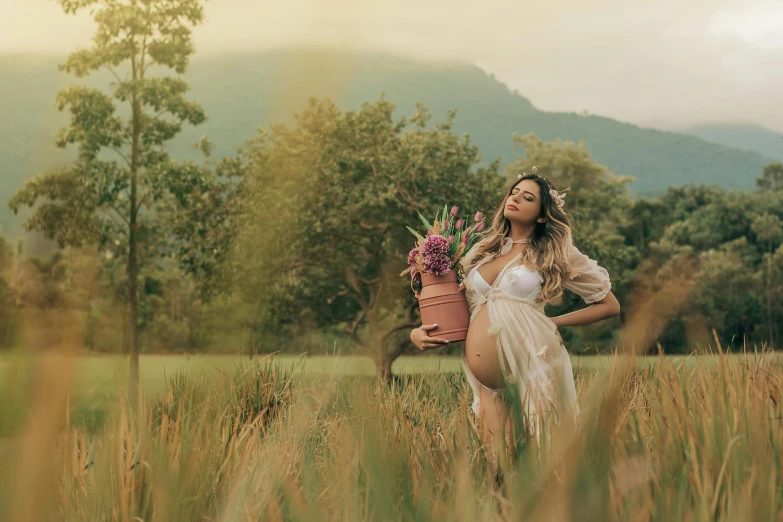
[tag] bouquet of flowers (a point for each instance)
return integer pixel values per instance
(444, 244)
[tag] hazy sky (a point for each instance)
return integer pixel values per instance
(660, 63)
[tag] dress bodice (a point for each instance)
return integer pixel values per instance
(518, 283)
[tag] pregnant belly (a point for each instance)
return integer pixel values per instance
(481, 351)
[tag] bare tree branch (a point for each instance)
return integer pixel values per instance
(114, 73)
(122, 217)
(400, 347)
(357, 291)
(385, 337)
(122, 155)
(331, 299)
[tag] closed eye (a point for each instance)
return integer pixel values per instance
(531, 198)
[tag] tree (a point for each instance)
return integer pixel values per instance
(122, 167)
(727, 292)
(772, 177)
(324, 240)
(768, 229)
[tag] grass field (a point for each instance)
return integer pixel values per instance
(97, 381)
(229, 439)
(105, 375)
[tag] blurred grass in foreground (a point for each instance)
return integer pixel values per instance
(667, 441)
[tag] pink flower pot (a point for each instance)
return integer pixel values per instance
(442, 302)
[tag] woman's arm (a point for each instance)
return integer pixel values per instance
(607, 307)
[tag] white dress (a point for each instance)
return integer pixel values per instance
(529, 350)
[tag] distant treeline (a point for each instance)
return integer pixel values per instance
(296, 244)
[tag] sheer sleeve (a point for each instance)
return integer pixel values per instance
(587, 279)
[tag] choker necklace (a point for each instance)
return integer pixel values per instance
(507, 242)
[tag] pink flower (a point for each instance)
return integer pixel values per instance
(435, 244)
(479, 216)
(454, 211)
(436, 260)
(459, 224)
(412, 256)
(480, 227)
(438, 264)
(451, 239)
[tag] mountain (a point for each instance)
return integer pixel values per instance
(242, 91)
(743, 136)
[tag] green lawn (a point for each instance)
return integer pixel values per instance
(98, 380)
(105, 375)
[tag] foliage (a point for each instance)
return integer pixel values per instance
(241, 91)
(327, 205)
(107, 197)
(734, 237)
(772, 177)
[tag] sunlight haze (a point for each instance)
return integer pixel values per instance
(666, 64)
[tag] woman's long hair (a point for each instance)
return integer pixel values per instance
(547, 251)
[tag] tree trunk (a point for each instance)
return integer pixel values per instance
(385, 358)
(385, 369)
(133, 298)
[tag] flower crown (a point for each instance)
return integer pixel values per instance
(557, 197)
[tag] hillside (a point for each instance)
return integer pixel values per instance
(242, 91)
(741, 136)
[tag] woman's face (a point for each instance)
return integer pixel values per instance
(524, 203)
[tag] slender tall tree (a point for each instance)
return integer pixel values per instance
(122, 167)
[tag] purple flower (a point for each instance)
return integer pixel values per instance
(459, 224)
(436, 259)
(479, 216)
(435, 244)
(480, 227)
(454, 211)
(412, 256)
(437, 264)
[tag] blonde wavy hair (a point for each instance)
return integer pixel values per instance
(547, 251)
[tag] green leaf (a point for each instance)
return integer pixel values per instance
(414, 232)
(424, 220)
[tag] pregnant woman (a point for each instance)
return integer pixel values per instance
(524, 261)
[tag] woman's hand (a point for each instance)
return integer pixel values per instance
(423, 341)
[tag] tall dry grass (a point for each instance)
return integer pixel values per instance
(666, 443)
